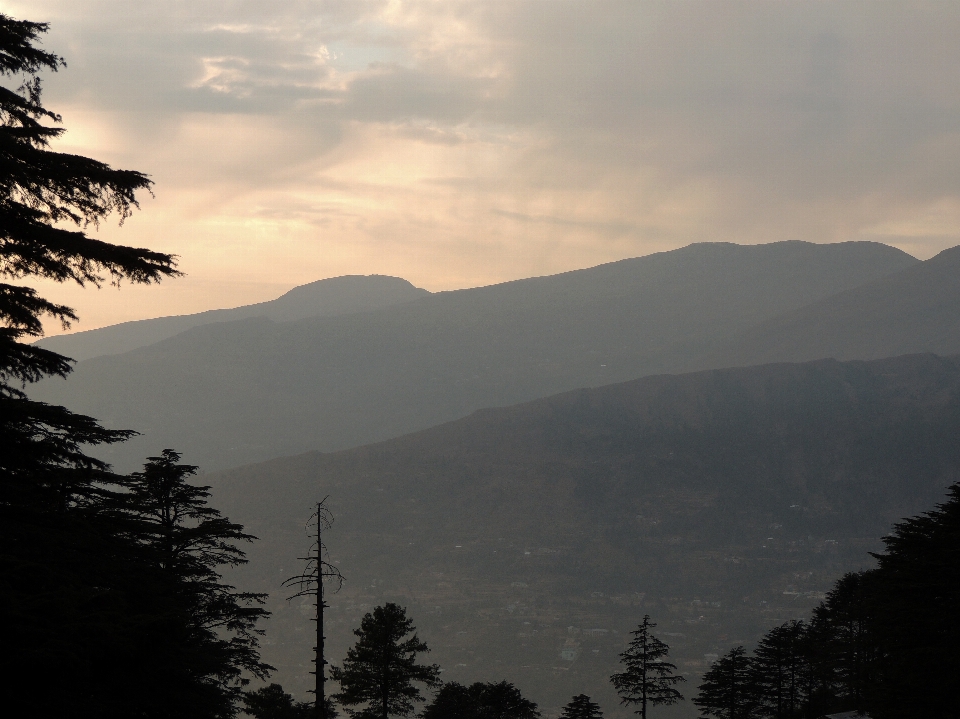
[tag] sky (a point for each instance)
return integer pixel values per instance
(458, 144)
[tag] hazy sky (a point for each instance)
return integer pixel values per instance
(463, 143)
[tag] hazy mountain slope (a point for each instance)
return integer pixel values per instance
(720, 502)
(915, 310)
(333, 296)
(230, 393)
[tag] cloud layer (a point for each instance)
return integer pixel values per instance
(461, 143)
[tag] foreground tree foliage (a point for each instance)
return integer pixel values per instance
(205, 637)
(272, 702)
(481, 700)
(647, 679)
(97, 624)
(883, 642)
(779, 669)
(580, 707)
(913, 600)
(727, 691)
(379, 672)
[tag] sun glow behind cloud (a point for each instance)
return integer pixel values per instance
(462, 143)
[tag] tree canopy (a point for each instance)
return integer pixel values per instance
(726, 691)
(580, 707)
(881, 643)
(109, 585)
(480, 700)
(647, 679)
(272, 702)
(379, 672)
(206, 637)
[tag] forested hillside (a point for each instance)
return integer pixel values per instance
(231, 393)
(721, 503)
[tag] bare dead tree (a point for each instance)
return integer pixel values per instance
(310, 584)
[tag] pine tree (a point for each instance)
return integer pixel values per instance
(205, 635)
(481, 700)
(914, 595)
(379, 672)
(66, 573)
(846, 658)
(580, 707)
(726, 691)
(779, 670)
(39, 190)
(647, 680)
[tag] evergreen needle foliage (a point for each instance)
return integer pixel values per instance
(647, 680)
(109, 585)
(882, 643)
(726, 691)
(481, 700)
(913, 600)
(206, 630)
(779, 669)
(379, 672)
(580, 707)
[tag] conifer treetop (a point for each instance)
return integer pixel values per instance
(647, 679)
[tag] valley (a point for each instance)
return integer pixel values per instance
(721, 503)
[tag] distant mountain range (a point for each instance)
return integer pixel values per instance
(229, 393)
(323, 298)
(721, 503)
(917, 309)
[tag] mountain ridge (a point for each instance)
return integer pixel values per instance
(345, 294)
(917, 309)
(230, 393)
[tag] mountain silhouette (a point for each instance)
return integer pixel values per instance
(226, 394)
(323, 298)
(916, 310)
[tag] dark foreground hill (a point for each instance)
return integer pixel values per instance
(323, 298)
(721, 503)
(230, 393)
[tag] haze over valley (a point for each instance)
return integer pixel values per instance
(230, 393)
(722, 502)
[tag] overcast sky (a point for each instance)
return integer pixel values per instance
(463, 143)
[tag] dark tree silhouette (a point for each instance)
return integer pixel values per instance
(272, 702)
(726, 691)
(40, 190)
(647, 680)
(452, 701)
(205, 629)
(481, 700)
(64, 571)
(779, 670)
(843, 651)
(915, 598)
(379, 672)
(879, 644)
(580, 707)
(310, 584)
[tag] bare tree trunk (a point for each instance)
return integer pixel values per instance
(310, 584)
(320, 697)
